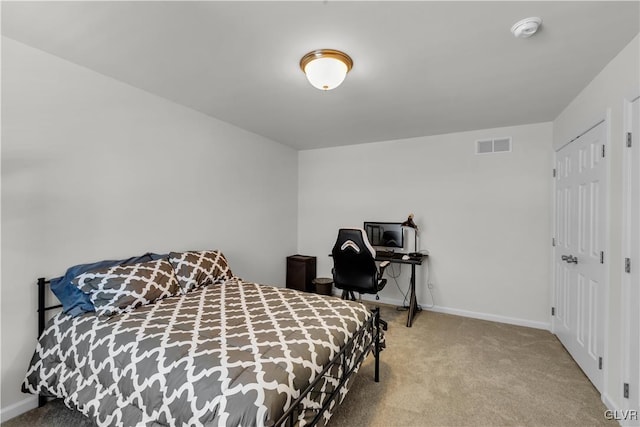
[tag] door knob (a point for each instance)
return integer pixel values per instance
(569, 259)
(564, 257)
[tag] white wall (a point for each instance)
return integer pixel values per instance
(484, 218)
(605, 97)
(94, 169)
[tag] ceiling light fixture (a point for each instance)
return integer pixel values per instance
(526, 28)
(326, 69)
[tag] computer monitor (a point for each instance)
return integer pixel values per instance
(385, 234)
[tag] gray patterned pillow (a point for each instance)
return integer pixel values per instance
(124, 287)
(198, 268)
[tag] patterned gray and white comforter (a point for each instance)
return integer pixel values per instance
(232, 354)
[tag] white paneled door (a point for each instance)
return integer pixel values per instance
(579, 260)
(631, 254)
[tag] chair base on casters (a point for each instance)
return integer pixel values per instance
(384, 325)
(348, 295)
(351, 296)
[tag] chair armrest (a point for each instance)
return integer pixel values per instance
(383, 265)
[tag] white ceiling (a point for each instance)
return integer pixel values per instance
(420, 68)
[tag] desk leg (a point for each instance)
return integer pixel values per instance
(413, 303)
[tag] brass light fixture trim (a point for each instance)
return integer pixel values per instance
(326, 53)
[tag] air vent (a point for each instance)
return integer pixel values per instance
(497, 145)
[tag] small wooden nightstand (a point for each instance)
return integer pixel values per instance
(301, 270)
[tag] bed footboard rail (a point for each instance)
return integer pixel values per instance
(288, 419)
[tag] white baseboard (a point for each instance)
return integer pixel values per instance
(608, 402)
(619, 414)
(18, 408)
(472, 314)
(491, 317)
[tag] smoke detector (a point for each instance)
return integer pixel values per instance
(526, 28)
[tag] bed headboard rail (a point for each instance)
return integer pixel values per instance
(42, 307)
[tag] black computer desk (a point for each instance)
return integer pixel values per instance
(413, 261)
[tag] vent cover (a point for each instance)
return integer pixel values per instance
(497, 145)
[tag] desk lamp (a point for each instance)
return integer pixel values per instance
(410, 224)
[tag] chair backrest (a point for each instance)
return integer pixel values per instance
(354, 266)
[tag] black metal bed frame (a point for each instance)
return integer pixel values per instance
(290, 416)
(42, 308)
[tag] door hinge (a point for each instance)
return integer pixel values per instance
(627, 265)
(603, 150)
(601, 257)
(553, 241)
(599, 362)
(625, 390)
(553, 311)
(555, 172)
(629, 139)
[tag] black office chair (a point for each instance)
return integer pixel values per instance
(354, 264)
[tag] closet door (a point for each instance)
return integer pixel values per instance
(580, 273)
(631, 274)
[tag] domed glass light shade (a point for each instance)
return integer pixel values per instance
(326, 69)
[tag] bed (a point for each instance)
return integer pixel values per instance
(227, 352)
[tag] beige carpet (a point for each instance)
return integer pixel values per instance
(447, 371)
(455, 371)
